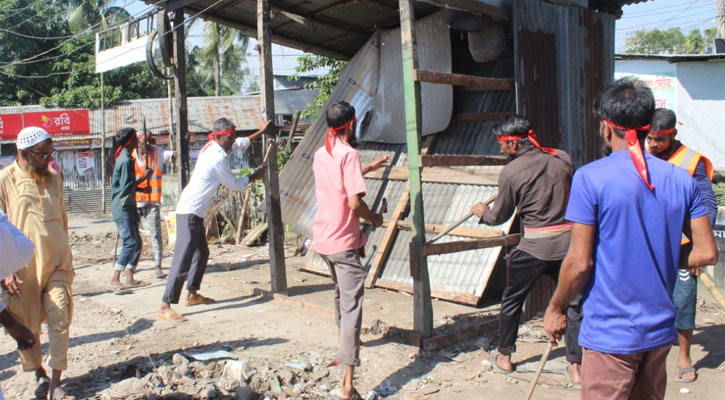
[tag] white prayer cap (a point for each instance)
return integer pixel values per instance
(31, 136)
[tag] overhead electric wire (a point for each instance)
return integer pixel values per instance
(34, 37)
(88, 67)
(663, 22)
(659, 9)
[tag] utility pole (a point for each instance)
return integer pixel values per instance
(721, 19)
(103, 149)
(182, 122)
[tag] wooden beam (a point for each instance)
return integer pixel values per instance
(478, 82)
(460, 298)
(475, 7)
(460, 231)
(465, 245)
(401, 209)
(182, 112)
(473, 117)
(442, 160)
(422, 306)
(278, 273)
(440, 175)
(319, 20)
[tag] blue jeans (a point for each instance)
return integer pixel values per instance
(131, 249)
(685, 299)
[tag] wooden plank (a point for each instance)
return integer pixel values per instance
(460, 298)
(182, 112)
(459, 231)
(294, 302)
(386, 244)
(440, 160)
(473, 117)
(465, 245)
(278, 273)
(478, 82)
(440, 175)
(422, 306)
(474, 6)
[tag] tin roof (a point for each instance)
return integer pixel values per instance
(672, 58)
(243, 111)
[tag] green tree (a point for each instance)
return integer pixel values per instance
(90, 13)
(325, 83)
(670, 41)
(223, 56)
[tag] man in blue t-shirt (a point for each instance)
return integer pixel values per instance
(629, 212)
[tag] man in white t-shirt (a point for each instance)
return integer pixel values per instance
(191, 251)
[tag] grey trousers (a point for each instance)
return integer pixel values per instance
(349, 276)
(151, 219)
(191, 254)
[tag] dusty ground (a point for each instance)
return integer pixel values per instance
(115, 337)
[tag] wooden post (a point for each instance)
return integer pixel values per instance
(182, 116)
(278, 273)
(103, 148)
(423, 309)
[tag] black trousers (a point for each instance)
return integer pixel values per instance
(522, 271)
(191, 253)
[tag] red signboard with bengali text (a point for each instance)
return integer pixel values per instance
(57, 123)
(10, 125)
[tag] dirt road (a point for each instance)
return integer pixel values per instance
(115, 337)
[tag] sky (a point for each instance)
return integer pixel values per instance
(663, 14)
(652, 14)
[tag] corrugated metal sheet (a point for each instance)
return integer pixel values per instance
(243, 111)
(461, 276)
(86, 201)
(564, 58)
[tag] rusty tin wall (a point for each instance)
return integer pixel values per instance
(564, 58)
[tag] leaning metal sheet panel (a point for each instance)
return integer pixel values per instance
(458, 276)
(434, 54)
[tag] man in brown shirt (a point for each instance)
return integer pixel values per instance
(536, 183)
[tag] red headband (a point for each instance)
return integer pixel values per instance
(532, 138)
(662, 132)
(121, 147)
(635, 150)
(332, 133)
(217, 133)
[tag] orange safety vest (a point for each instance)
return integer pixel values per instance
(688, 159)
(143, 195)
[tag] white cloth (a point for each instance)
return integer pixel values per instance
(241, 144)
(30, 136)
(15, 248)
(212, 168)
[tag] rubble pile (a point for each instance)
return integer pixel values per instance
(306, 376)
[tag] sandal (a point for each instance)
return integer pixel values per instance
(199, 299)
(494, 363)
(354, 396)
(171, 315)
(683, 371)
(159, 273)
(60, 394)
(135, 284)
(119, 289)
(42, 385)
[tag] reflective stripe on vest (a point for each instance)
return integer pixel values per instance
(688, 159)
(154, 196)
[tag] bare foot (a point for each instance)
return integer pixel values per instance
(575, 374)
(504, 362)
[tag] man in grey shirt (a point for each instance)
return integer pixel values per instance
(536, 183)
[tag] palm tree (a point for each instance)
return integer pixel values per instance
(86, 13)
(223, 56)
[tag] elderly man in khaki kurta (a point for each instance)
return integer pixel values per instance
(31, 194)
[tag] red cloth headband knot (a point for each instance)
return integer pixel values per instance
(531, 135)
(635, 150)
(333, 131)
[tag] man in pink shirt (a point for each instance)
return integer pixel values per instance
(339, 188)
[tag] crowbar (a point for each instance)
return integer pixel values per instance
(460, 221)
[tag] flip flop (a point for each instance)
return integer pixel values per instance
(119, 289)
(498, 369)
(135, 284)
(172, 316)
(60, 394)
(159, 273)
(571, 382)
(42, 385)
(199, 299)
(683, 371)
(354, 396)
